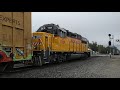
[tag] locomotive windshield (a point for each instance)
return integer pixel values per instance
(53, 29)
(42, 28)
(49, 27)
(46, 28)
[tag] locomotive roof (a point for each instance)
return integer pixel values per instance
(84, 39)
(51, 25)
(62, 29)
(74, 35)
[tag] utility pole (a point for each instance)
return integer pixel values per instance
(109, 43)
(113, 44)
(118, 40)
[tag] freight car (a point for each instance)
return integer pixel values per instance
(15, 38)
(54, 44)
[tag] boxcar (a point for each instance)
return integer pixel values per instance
(15, 37)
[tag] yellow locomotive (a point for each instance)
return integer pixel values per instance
(54, 44)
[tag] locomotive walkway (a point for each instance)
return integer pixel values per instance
(99, 66)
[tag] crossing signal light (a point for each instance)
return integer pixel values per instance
(117, 40)
(109, 43)
(109, 35)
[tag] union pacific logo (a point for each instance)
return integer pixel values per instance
(72, 40)
(10, 20)
(62, 41)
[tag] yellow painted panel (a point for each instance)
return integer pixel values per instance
(15, 30)
(6, 36)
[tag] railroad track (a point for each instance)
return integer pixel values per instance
(14, 70)
(23, 68)
(29, 67)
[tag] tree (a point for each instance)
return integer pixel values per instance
(93, 46)
(101, 49)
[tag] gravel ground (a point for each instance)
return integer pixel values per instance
(94, 67)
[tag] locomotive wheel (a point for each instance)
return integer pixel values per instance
(85, 56)
(34, 60)
(68, 57)
(37, 61)
(52, 59)
(60, 59)
(89, 54)
(65, 58)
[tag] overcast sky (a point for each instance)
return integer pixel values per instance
(95, 26)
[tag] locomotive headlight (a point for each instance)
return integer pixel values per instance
(35, 47)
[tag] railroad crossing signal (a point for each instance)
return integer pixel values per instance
(109, 35)
(109, 43)
(117, 40)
